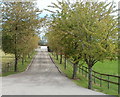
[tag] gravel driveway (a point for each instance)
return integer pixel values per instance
(42, 78)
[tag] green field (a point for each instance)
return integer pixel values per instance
(9, 58)
(6, 57)
(108, 67)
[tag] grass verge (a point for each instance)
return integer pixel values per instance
(21, 67)
(82, 80)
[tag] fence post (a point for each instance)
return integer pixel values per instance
(86, 71)
(8, 67)
(119, 86)
(108, 82)
(100, 80)
(5, 67)
(94, 78)
(11, 67)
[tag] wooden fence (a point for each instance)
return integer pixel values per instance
(101, 77)
(7, 67)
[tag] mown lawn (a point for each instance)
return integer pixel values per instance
(108, 67)
(82, 80)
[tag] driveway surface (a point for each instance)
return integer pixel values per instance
(42, 78)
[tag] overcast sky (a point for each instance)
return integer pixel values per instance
(42, 4)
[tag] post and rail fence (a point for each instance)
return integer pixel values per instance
(7, 67)
(101, 77)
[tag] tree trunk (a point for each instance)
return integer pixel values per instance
(22, 60)
(16, 54)
(74, 71)
(28, 55)
(65, 65)
(56, 56)
(16, 63)
(90, 77)
(48, 49)
(61, 59)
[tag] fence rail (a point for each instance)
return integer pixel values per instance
(99, 78)
(6, 67)
(84, 71)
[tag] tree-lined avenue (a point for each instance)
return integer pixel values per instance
(42, 78)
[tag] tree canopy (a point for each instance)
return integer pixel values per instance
(84, 32)
(20, 26)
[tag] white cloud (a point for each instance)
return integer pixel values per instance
(43, 4)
